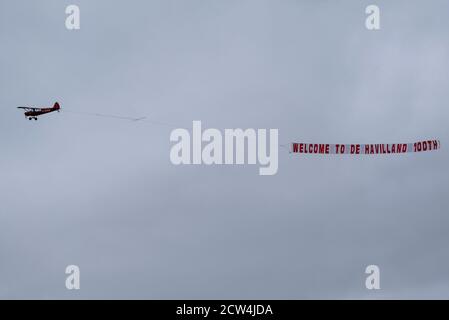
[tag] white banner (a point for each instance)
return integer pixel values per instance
(321, 148)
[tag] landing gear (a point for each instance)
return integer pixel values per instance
(35, 118)
(31, 118)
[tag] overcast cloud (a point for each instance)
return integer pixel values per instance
(102, 193)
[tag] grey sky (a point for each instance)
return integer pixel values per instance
(103, 194)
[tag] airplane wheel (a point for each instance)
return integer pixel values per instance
(30, 118)
(35, 119)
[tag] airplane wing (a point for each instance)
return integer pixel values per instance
(29, 108)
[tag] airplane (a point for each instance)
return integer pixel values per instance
(32, 113)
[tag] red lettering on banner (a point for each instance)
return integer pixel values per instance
(295, 147)
(435, 144)
(317, 148)
(321, 148)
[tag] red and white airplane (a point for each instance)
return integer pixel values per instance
(32, 113)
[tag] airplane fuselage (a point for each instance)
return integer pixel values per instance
(40, 112)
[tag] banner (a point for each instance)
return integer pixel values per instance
(393, 148)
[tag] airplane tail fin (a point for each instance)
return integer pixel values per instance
(56, 106)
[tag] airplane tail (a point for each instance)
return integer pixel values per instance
(56, 106)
